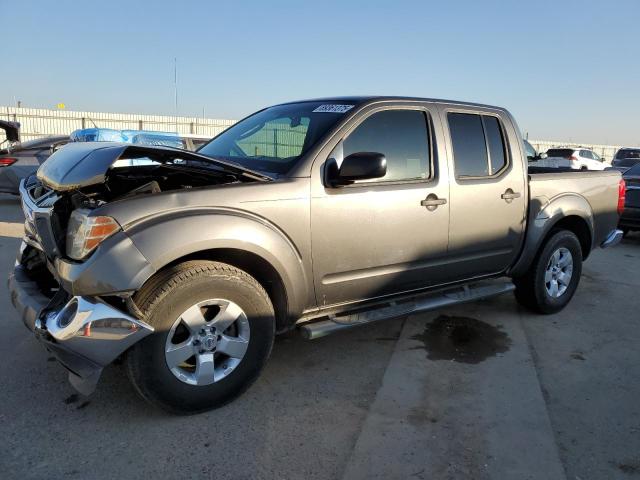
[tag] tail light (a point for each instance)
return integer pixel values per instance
(7, 161)
(622, 192)
(573, 158)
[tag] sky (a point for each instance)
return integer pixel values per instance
(567, 70)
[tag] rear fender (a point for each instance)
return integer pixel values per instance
(543, 216)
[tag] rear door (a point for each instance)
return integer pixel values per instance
(375, 238)
(488, 191)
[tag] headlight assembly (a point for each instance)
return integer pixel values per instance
(85, 233)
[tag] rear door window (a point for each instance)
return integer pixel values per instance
(493, 132)
(479, 147)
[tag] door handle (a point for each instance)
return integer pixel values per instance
(509, 195)
(432, 202)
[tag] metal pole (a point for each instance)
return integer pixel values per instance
(175, 87)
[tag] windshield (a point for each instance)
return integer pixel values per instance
(628, 154)
(274, 139)
(627, 157)
(560, 152)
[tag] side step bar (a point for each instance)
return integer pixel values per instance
(454, 296)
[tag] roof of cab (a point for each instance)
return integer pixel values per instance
(364, 99)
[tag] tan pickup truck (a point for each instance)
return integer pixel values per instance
(319, 215)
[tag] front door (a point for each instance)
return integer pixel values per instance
(377, 237)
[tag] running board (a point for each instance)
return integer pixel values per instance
(454, 296)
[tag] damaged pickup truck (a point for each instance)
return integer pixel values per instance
(321, 215)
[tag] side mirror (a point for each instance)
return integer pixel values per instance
(357, 166)
(542, 155)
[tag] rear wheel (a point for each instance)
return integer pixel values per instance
(214, 330)
(549, 284)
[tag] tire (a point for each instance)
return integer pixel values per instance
(532, 289)
(184, 288)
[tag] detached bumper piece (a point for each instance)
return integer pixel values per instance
(612, 239)
(85, 335)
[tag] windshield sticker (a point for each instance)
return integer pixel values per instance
(329, 108)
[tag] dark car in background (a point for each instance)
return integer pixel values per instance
(630, 218)
(626, 158)
(18, 159)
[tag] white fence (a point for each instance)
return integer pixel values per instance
(39, 122)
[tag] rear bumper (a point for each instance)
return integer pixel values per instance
(612, 239)
(85, 334)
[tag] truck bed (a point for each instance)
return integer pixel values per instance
(588, 188)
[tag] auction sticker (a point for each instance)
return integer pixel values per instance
(331, 108)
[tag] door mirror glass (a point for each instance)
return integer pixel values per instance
(357, 166)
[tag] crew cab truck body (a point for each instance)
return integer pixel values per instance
(321, 214)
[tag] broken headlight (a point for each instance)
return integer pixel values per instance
(85, 233)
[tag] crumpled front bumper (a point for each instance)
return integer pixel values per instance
(85, 334)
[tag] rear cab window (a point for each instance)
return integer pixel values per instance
(479, 146)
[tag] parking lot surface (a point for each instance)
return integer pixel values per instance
(484, 390)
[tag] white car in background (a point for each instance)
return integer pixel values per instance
(571, 157)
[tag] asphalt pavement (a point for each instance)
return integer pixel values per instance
(484, 390)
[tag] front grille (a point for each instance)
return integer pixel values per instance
(46, 234)
(42, 218)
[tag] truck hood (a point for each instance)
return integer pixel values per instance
(83, 164)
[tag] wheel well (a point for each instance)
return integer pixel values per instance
(258, 268)
(579, 227)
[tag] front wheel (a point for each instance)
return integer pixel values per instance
(553, 277)
(214, 330)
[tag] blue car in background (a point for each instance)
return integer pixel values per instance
(139, 137)
(18, 159)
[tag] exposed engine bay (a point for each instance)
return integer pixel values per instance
(80, 178)
(108, 171)
(122, 182)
